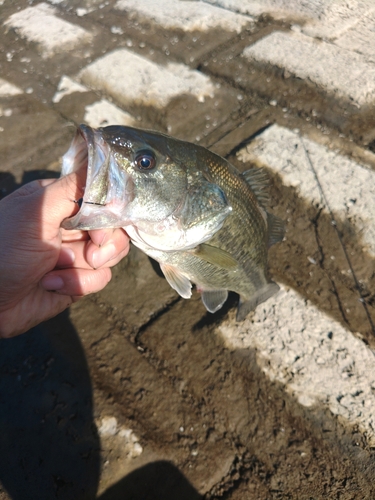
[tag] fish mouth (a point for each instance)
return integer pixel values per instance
(106, 185)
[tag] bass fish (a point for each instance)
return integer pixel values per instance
(186, 207)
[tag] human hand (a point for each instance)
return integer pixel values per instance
(44, 268)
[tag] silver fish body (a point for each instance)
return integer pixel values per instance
(184, 206)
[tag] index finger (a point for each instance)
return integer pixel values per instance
(101, 237)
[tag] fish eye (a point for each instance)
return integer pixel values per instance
(145, 160)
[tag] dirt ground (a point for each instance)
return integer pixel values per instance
(211, 425)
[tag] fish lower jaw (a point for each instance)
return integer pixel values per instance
(95, 216)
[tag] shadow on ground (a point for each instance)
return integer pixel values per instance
(155, 481)
(49, 446)
(8, 183)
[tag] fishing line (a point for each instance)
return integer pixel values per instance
(334, 224)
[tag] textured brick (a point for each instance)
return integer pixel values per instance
(133, 79)
(346, 74)
(360, 38)
(97, 114)
(317, 360)
(67, 86)
(8, 89)
(103, 113)
(40, 25)
(188, 16)
(350, 196)
(320, 18)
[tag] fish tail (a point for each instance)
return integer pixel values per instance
(261, 295)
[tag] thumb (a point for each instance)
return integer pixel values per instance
(39, 207)
(59, 201)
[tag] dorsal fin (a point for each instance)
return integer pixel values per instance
(276, 229)
(258, 180)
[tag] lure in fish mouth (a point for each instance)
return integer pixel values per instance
(184, 206)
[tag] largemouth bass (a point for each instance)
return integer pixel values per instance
(184, 206)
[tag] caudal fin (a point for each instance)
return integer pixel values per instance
(261, 295)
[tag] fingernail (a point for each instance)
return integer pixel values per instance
(52, 282)
(103, 255)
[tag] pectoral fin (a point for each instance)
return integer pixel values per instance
(215, 256)
(178, 281)
(213, 300)
(261, 295)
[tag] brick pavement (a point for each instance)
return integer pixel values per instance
(219, 76)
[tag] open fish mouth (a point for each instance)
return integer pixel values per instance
(104, 196)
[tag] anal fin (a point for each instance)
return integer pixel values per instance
(261, 295)
(178, 281)
(213, 300)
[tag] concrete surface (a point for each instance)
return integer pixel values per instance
(134, 392)
(319, 18)
(147, 83)
(7, 89)
(196, 16)
(39, 24)
(360, 37)
(346, 73)
(314, 357)
(310, 168)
